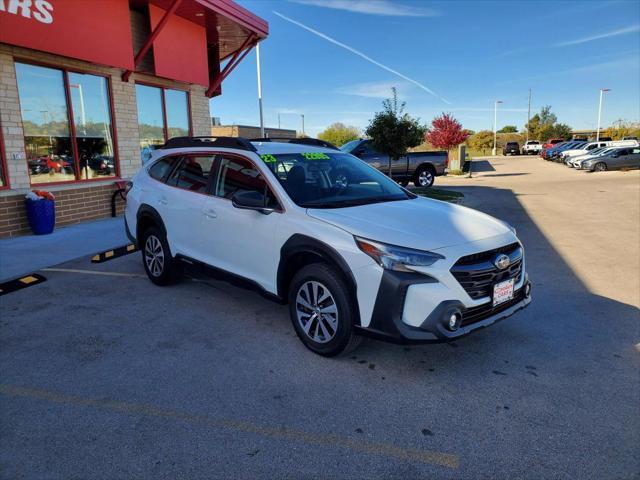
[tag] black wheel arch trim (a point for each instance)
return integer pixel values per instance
(148, 212)
(299, 243)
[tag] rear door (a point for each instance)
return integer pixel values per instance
(183, 201)
(632, 159)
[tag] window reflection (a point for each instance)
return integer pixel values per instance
(46, 124)
(176, 104)
(150, 119)
(92, 118)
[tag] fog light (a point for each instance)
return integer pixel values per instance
(527, 290)
(453, 320)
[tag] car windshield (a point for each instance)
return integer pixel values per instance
(349, 146)
(533, 142)
(319, 179)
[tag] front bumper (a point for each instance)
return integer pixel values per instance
(394, 304)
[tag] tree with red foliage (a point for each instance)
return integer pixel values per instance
(446, 132)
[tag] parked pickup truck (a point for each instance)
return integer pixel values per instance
(421, 168)
(532, 147)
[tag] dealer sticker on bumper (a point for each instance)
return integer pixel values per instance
(503, 292)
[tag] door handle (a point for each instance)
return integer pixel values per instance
(163, 200)
(210, 213)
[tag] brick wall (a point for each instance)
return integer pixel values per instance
(72, 206)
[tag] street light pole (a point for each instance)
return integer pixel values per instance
(495, 126)
(602, 90)
(302, 115)
(259, 73)
(528, 115)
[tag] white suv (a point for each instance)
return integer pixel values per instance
(348, 249)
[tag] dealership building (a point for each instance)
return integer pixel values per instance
(89, 88)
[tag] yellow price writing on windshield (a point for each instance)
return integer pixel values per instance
(315, 156)
(268, 158)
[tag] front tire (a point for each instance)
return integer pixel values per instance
(322, 310)
(162, 269)
(424, 177)
(600, 167)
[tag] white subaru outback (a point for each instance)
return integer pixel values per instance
(348, 249)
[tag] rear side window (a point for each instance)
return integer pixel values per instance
(238, 174)
(161, 168)
(192, 173)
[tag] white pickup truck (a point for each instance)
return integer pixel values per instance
(532, 147)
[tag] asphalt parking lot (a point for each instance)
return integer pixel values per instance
(105, 375)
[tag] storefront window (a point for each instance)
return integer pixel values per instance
(150, 119)
(162, 114)
(50, 143)
(3, 164)
(177, 113)
(91, 115)
(46, 124)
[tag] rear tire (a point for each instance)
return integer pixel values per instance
(600, 167)
(424, 177)
(322, 311)
(162, 269)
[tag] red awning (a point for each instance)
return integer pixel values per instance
(229, 32)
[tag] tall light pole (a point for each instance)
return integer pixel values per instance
(259, 73)
(528, 115)
(602, 90)
(495, 126)
(302, 115)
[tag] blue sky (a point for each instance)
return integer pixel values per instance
(455, 57)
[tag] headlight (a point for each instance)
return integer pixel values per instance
(392, 257)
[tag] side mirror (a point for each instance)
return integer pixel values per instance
(251, 200)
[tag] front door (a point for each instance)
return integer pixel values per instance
(236, 240)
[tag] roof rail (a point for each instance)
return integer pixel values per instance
(239, 143)
(314, 142)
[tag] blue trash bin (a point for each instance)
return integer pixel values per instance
(41, 215)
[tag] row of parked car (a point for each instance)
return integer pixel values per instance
(594, 156)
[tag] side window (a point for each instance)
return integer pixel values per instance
(161, 168)
(193, 173)
(236, 174)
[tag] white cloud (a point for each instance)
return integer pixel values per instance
(372, 7)
(614, 33)
(361, 55)
(374, 89)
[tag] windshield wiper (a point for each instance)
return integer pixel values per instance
(349, 203)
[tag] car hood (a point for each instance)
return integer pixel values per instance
(420, 223)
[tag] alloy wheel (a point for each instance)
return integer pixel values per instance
(425, 178)
(154, 255)
(317, 312)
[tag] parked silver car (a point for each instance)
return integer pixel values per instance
(618, 159)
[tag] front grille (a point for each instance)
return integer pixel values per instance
(477, 274)
(475, 314)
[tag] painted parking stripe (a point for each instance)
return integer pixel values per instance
(278, 432)
(95, 272)
(20, 283)
(115, 253)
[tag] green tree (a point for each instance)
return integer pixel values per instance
(339, 134)
(481, 141)
(392, 131)
(622, 128)
(544, 125)
(508, 129)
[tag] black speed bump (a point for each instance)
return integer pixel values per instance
(115, 253)
(20, 283)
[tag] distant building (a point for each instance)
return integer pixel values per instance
(250, 131)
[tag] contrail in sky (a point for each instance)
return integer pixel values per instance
(362, 55)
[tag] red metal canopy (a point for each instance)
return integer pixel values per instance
(230, 31)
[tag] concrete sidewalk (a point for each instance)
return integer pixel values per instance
(21, 255)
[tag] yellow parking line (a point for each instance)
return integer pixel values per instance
(321, 439)
(95, 272)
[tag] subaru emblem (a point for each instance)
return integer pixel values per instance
(502, 261)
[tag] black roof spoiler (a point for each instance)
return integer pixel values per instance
(313, 142)
(239, 143)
